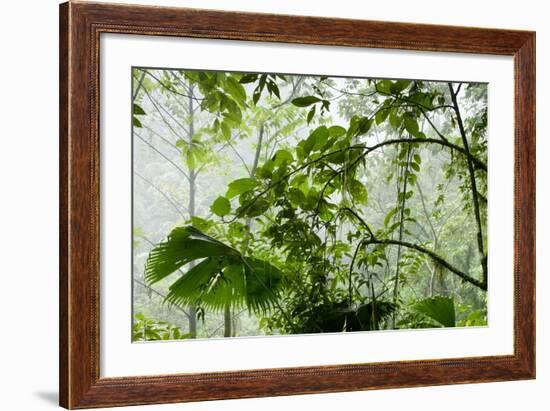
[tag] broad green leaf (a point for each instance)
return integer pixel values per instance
(381, 116)
(440, 309)
(384, 86)
(399, 85)
(311, 114)
(235, 89)
(221, 206)
(248, 78)
(395, 119)
(296, 196)
(282, 156)
(138, 111)
(389, 216)
(201, 223)
(358, 191)
(336, 131)
(364, 125)
(266, 170)
(411, 125)
(256, 209)
(353, 126)
(226, 130)
(239, 186)
(233, 118)
(318, 138)
(415, 167)
(136, 122)
(273, 89)
(305, 101)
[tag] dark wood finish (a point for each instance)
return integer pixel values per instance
(80, 27)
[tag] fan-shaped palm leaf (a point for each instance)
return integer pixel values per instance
(223, 277)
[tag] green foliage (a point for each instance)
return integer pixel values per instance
(221, 206)
(358, 191)
(305, 101)
(334, 316)
(137, 111)
(223, 277)
(235, 89)
(240, 186)
(314, 220)
(440, 309)
(147, 329)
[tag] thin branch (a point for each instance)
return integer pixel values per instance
(238, 155)
(363, 222)
(156, 104)
(440, 260)
(290, 96)
(140, 83)
(350, 283)
(421, 193)
(441, 136)
(160, 295)
(171, 90)
(477, 162)
(163, 156)
(162, 193)
(213, 333)
(168, 142)
(258, 151)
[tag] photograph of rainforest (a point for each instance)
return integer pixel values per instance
(276, 204)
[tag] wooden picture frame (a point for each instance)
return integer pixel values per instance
(81, 24)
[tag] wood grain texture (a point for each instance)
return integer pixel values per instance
(80, 27)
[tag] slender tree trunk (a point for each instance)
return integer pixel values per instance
(227, 322)
(191, 207)
(401, 224)
(229, 326)
(473, 184)
(258, 151)
(192, 309)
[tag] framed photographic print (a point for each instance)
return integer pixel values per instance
(256, 205)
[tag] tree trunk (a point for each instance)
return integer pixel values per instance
(227, 329)
(473, 184)
(191, 208)
(401, 224)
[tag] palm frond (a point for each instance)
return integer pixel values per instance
(183, 245)
(223, 278)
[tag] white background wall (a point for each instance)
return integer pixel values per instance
(29, 218)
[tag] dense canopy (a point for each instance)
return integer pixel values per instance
(284, 204)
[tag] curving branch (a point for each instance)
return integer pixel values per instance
(367, 150)
(435, 257)
(478, 164)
